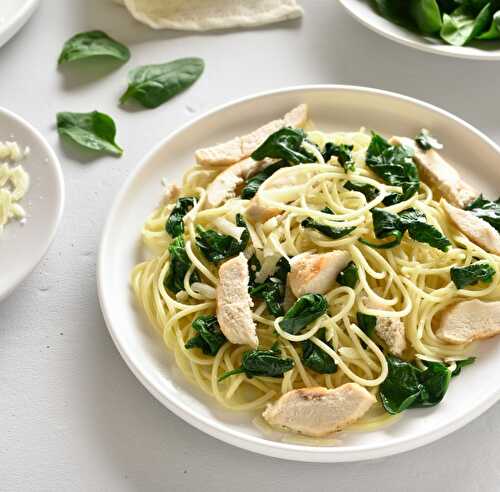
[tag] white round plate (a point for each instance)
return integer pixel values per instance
(364, 12)
(13, 15)
(22, 246)
(332, 108)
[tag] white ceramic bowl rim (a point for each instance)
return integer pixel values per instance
(51, 155)
(14, 23)
(399, 34)
(216, 429)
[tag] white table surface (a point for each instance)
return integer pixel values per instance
(72, 415)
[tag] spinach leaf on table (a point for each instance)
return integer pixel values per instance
(175, 222)
(262, 362)
(272, 290)
(152, 85)
(315, 358)
(95, 131)
(209, 338)
(285, 144)
(179, 266)
(342, 152)
(253, 183)
(329, 231)
(92, 44)
(306, 309)
(472, 274)
(217, 247)
(349, 275)
(407, 386)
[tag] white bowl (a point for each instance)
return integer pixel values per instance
(364, 12)
(331, 108)
(23, 246)
(13, 15)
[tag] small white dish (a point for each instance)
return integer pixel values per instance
(13, 15)
(365, 13)
(332, 108)
(22, 246)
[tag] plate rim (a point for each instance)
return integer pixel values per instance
(420, 45)
(52, 156)
(18, 20)
(214, 428)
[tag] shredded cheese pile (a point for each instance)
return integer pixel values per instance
(14, 183)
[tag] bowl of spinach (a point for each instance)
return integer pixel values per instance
(458, 28)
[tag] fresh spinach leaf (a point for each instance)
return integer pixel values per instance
(395, 10)
(305, 310)
(272, 290)
(209, 338)
(461, 26)
(152, 85)
(175, 222)
(472, 274)
(494, 31)
(486, 210)
(368, 190)
(179, 266)
(253, 183)
(285, 144)
(92, 44)
(408, 386)
(342, 152)
(95, 131)
(317, 359)
(349, 276)
(426, 141)
(426, 15)
(262, 362)
(329, 231)
(462, 363)
(217, 247)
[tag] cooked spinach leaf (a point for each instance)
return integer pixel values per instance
(285, 144)
(329, 231)
(349, 275)
(92, 44)
(152, 85)
(209, 338)
(462, 363)
(95, 131)
(272, 290)
(305, 310)
(426, 141)
(408, 386)
(342, 152)
(253, 183)
(472, 274)
(389, 225)
(368, 190)
(179, 266)
(486, 210)
(217, 247)
(317, 359)
(366, 323)
(175, 222)
(262, 362)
